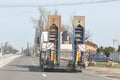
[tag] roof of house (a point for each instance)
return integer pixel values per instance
(90, 43)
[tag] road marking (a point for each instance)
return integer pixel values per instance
(44, 75)
(32, 62)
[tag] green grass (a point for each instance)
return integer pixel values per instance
(102, 64)
(116, 66)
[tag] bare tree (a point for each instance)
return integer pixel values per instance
(8, 48)
(5, 46)
(69, 29)
(55, 12)
(87, 34)
(40, 25)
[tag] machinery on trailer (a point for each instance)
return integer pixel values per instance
(78, 44)
(51, 54)
(50, 57)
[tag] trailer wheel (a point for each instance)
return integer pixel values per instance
(43, 69)
(42, 66)
(82, 66)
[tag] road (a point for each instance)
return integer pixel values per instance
(26, 68)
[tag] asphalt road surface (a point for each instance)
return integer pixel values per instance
(26, 68)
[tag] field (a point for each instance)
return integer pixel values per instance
(102, 64)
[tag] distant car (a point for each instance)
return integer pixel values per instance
(98, 57)
(7, 52)
(27, 53)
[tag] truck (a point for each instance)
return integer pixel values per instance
(50, 57)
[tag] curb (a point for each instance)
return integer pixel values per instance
(6, 59)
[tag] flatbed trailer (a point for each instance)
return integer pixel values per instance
(50, 58)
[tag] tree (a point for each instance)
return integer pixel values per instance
(118, 48)
(112, 49)
(8, 48)
(108, 50)
(100, 50)
(40, 25)
(69, 30)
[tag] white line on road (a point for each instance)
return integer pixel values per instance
(44, 75)
(32, 62)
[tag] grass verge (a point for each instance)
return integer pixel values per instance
(102, 64)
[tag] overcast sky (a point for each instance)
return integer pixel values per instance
(102, 20)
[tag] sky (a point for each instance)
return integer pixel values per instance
(102, 20)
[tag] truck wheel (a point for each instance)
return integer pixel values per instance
(43, 69)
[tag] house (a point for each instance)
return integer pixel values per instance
(91, 47)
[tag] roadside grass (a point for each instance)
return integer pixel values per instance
(102, 64)
(116, 66)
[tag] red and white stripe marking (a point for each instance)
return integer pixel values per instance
(81, 47)
(50, 46)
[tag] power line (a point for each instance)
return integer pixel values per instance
(57, 4)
